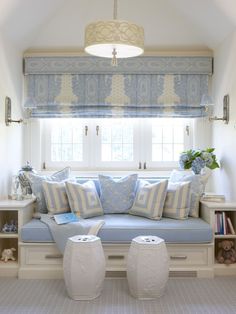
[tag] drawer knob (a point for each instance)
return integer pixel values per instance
(178, 257)
(53, 256)
(119, 257)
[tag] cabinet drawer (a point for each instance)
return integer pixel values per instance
(43, 256)
(116, 258)
(188, 256)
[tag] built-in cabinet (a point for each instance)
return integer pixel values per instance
(216, 214)
(17, 212)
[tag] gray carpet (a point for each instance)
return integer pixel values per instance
(183, 295)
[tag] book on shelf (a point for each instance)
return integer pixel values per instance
(223, 224)
(231, 228)
(65, 218)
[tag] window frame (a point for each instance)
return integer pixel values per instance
(92, 148)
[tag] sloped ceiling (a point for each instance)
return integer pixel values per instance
(168, 24)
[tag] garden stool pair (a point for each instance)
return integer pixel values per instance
(84, 267)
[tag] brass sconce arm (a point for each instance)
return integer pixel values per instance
(225, 117)
(8, 119)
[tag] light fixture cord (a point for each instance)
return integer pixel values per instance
(115, 10)
(114, 59)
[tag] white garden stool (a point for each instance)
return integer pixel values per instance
(84, 267)
(148, 267)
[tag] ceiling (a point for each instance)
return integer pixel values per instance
(168, 24)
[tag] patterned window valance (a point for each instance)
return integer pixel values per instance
(138, 87)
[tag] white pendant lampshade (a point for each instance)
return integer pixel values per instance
(114, 38)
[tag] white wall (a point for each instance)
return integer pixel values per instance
(11, 138)
(224, 136)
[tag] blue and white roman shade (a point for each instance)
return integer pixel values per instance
(139, 87)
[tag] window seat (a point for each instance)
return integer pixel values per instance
(122, 228)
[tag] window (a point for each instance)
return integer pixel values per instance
(115, 143)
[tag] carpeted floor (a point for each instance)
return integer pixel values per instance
(183, 295)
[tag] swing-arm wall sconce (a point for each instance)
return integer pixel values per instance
(8, 119)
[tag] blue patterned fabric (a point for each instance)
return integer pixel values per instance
(55, 197)
(149, 200)
(177, 203)
(117, 196)
(83, 199)
(198, 183)
(139, 65)
(36, 182)
(115, 95)
(141, 87)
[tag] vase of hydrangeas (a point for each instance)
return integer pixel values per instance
(196, 160)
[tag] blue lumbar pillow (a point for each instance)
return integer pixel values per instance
(117, 196)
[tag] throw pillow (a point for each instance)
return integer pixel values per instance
(117, 196)
(149, 200)
(37, 188)
(83, 199)
(177, 200)
(56, 197)
(198, 183)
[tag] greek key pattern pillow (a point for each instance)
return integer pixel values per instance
(55, 197)
(83, 199)
(177, 200)
(150, 199)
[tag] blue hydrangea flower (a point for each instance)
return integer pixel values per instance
(183, 159)
(208, 158)
(198, 164)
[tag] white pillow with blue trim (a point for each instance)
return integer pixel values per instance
(117, 196)
(149, 200)
(56, 197)
(177, 203)
(83, 199)
(36, 183)
(198, 183)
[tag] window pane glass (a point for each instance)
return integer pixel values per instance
(178, 148)
(66, 152)
(167, 152)
(128, 152)
(128, 135)
(56, 152)
(157, 134)
(117, 140)
(66, 140)
(116, 152)
(117, 134)
(56, 135)
(77, 135)
(156, 152)
(106, 134)
(77, 152)
(167, 134)
(106, 152)
(66, 135)
(178, 134)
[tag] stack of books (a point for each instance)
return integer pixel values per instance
(212, 197)
(223, 224)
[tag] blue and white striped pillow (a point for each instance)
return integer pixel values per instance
(149, 200)
(55, 197)
(198, 183)
(83, 199)
(36, 181)
(177, 203)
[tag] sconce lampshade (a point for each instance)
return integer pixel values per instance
(104, 38)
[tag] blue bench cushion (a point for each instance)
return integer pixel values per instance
(122, 228)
